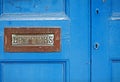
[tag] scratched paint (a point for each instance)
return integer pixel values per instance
(33, 6)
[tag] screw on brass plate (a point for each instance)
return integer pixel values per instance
(96, 46)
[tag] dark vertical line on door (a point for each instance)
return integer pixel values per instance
(90, 40)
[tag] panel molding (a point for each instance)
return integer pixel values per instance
(115, 9)
(61, 13)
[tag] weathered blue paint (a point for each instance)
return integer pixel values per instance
(71, 64)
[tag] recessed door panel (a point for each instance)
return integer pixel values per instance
(33, 6)
(33, 72)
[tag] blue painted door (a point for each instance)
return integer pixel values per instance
(106, 40)
(70, 64)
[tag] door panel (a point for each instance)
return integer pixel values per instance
(33, 6)
(115, 71)
(106, 31)
(70, 64)
(39, 71)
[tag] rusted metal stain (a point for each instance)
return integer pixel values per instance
(26, 39)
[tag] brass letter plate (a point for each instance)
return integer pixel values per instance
(32, 39)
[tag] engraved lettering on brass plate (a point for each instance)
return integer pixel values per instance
(33, 40)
